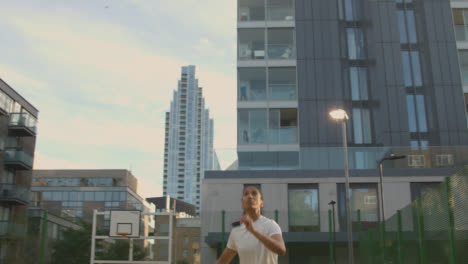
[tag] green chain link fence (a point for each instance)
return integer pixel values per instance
(433, 229)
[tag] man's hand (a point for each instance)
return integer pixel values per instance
(247, 221)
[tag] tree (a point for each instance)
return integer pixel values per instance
(75, 246)
(120, 249)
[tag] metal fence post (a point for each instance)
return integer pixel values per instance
(399, 237)
(43, 236)
(451, 217)
(360, 234)
(276, 215)
(330, 238)
(420, 218)
(223, 213)
(382, 240)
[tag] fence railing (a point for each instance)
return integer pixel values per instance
(432, 229)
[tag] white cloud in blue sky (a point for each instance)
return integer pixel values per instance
(102, 73)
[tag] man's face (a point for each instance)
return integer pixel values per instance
(251, 198)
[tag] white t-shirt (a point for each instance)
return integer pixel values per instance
(249, 248)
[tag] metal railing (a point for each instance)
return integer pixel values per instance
(24, 120)
(14, 192)
(18, 155)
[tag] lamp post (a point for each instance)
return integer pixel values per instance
(381, 180)
(341, 116)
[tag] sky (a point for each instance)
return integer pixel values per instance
(102, 75)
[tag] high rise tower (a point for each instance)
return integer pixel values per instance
(188, 148)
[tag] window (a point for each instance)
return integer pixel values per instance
(358, 83)
(280, 10)
(416, 113)
(463, 57)
(252, 84)
(185, 253)
(460, 20)
(251, 10)
(283, 126)
(362, 133)
(411, 68)
(303, 208)
(349, 10)
(281, 44)
(282, 83)
(196, 239)
(252, 126)
(251, 44)
(363, 197)
(356, 49)
(186, 239)
(420, 188)
(407, 27)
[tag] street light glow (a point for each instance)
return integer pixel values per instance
(339, 114)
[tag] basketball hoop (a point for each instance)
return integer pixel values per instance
(122, 234)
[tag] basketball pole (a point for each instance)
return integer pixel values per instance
(93, 237)
(130, 251)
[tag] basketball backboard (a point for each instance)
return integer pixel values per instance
(124, 223)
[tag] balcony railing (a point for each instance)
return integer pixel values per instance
(283, 135)
(461, 32)
(14, 193)
(22, 124)
(12, 229)
(282, 92)
(18, 159)
(281, 51)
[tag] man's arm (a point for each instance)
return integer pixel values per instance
(227, 256)
(274, 243)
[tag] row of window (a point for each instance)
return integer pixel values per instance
(78, 182)
(79, 196)
(304, 211)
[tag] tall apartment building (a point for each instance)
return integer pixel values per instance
(188, 148)
(392, 65)
(18, 130)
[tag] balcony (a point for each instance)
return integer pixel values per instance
(9, 228)
(22, 124)
(18, 159)
(14, 193)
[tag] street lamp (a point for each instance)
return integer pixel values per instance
(341, 116)
(392, 157)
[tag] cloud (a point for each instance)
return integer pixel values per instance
(99, 85)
